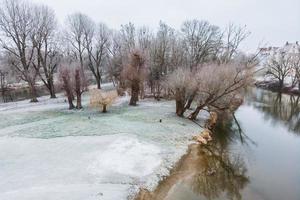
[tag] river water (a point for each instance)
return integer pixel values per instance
(255, 155)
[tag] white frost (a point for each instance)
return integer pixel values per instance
(48, 152)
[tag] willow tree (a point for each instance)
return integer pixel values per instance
(134, 74)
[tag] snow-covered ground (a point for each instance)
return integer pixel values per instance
(48, 152)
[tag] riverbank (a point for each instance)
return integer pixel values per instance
(48, 150)
(274, 87)
(188, 166)
(254, 155)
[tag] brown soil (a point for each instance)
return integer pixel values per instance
(186, 167)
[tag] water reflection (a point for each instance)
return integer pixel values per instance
(279, 108)
(219, 171)
(212, 171)
(221, 174)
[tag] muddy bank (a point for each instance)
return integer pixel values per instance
(206, 171)
(187, 166)
(242, 160)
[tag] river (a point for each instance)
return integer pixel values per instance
(255, 157)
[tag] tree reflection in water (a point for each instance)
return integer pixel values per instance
(218, 170)
(221, 173)
(209, 172)
(279, 108)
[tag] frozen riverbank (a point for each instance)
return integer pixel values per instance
(49, 152)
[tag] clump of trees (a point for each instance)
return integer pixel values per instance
(73, 84)
(213, 87)
(199, 65)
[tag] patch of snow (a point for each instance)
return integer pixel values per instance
(48, 152)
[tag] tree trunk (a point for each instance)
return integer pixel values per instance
(135, 88)
(158, 91)
(151, 87)
(69, 93)
(190, 101)
(179, 108)
(70, 101)
(98, 80)
(78, 89)
(104, 108)
(280, 84)
(142, 91)
(78, 102)
(179, 103)
(33, 92)
(51, 89)
(194, 114)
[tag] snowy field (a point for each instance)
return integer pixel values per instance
(50, 153)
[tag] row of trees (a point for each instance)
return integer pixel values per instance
(199, 63)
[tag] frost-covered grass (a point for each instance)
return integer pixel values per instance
(49, 152)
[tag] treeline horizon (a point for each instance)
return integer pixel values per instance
(35, 47)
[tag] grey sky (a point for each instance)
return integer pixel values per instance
(271, 21)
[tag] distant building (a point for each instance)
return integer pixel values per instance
(287, 49)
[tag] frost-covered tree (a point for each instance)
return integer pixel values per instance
(220, 85)
(101, 99)
(67, 85)
(17, 26)
(216, 87)
(134, 74)
(72, 82)
(182, 84)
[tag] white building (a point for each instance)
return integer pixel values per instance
(287, 49)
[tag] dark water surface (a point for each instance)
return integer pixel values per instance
(255, 157)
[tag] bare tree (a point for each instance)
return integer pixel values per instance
(134, 73)
(73, 83)
(75, 35)
(296, 67)
(145, 37)
(17, 26)
(279, 67)
(128, 37)
(220, 85)
(78, 87)
(233, 36)
(182, 84)
(200, 40)
(97, 41)
(45, 42)
(116, 62)
(160, 55)
(65, 76)
(212, 87)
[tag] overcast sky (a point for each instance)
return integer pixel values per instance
(272, 21)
